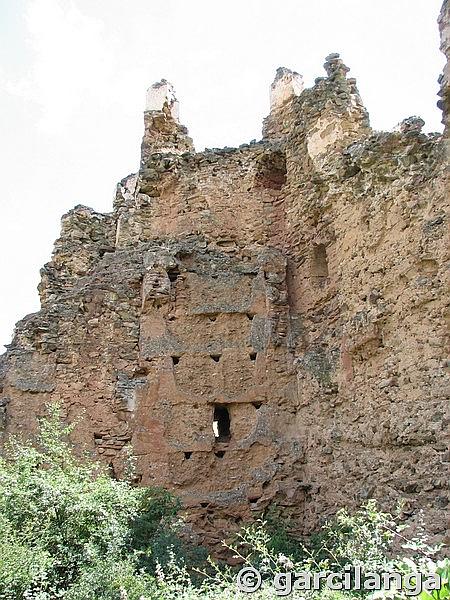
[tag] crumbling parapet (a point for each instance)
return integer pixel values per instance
(331, 114)
(335, 67)
(160, 94)
(86, 236)
(163, 132)
(286, 85)
(334, 114)
(411, 125)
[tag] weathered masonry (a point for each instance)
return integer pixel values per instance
(258, 324)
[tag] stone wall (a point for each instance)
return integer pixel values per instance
(257, 325)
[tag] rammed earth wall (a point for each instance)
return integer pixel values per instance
(257, 324)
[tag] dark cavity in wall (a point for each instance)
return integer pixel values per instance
(221, 423)
(271, 173)
(173, 274)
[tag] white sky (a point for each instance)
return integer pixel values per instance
(73, 76)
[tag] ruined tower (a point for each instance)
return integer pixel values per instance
(262, 324)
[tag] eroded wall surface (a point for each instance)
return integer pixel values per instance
(257, 324)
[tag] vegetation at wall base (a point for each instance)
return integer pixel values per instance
(69, 531)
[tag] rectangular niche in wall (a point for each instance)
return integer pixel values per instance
(319, 263)
(221, 423)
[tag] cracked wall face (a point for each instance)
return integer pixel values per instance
(295, 285)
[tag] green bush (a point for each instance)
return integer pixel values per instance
(112, 580)
(70, 532)
(20, 569)
(361, 538)
(62, 517)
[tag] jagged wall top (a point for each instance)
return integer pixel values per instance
(162, 94)
(285, 86)
(163, 132)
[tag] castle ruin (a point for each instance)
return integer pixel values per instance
(263, 324)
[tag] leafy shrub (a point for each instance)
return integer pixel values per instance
(70, 532)
(110, 579)
(363, 538)
(20, 569)
(62, 517)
